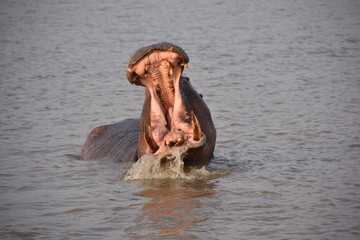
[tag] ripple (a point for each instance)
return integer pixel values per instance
(76, 210)
(22, 234)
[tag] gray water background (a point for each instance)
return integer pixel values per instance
(282, 79)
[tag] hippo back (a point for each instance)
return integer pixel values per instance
(117, 141)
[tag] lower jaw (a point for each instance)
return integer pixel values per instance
(186, 145)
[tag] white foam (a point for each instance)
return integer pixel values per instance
(169, 165)
(161, 166)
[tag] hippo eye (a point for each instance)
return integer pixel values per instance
(201, 95)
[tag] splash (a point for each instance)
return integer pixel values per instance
(169, 165)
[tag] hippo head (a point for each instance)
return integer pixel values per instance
(174, 114)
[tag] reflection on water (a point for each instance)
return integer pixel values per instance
(172, 209)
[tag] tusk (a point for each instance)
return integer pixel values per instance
(196, 127)
(149, 139)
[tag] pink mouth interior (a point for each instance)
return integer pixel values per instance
(170, 122)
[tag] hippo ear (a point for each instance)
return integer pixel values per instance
(149, 139)
(185, 78)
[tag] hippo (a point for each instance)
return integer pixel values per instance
(174, 114)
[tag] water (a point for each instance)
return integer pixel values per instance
(169, 166)
(281, 78)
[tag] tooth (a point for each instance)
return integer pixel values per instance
(186, 137)
(150, 139)
(196, 127)
(147, 66)
(183, 64)
(179, 141)
(167, 143)
(171, 70)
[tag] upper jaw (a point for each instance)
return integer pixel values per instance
(162, 47)
(151, 54)
(172, 123)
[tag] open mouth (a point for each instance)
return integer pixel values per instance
(172, 123)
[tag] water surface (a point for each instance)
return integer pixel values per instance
(282, 80)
